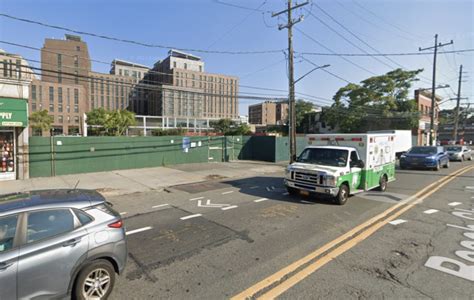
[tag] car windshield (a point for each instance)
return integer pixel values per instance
(453, 149)
(423, 150)
(326, 157)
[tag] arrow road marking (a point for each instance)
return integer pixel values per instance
(209, 204)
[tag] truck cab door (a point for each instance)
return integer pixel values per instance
(355, 171)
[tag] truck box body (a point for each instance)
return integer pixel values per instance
(376, 150)
(403, 140)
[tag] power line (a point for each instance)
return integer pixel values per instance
(115, 39)
(384, 54)
(240, 6)
(330, 50)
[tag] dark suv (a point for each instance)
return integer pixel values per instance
(59, 243)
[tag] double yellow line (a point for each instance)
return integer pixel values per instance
(279, 282)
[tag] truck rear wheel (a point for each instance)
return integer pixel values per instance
(292, 191)
(383, 183)
(343, 194)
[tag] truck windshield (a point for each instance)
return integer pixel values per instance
(326, 157)
(423, 150)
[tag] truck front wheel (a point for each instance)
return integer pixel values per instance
(343, 194)
(292, 191)
(383, 183)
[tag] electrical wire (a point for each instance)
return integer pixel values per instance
(149, 45)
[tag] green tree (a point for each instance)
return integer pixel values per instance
(242, 129)
(113, 122)
(224, 126)
(41, 120)
(301, 109)
(379, 102)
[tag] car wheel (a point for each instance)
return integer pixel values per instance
(470, 157)
(95, 281)
(383, 183)
(447, 164)
(292, 191)
(343, 195)
(438, 166)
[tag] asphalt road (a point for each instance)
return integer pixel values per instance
(215, 240)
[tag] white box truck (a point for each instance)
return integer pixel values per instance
(403, 140)
(343, 164)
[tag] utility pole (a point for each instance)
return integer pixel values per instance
(456, 116)
(291, 83)
(433, 90)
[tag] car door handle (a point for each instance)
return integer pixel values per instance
(5, 265)
(72, 242)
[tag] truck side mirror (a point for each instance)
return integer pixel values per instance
(361, 164)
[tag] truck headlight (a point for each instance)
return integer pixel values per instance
(330, 180)
(287, 172)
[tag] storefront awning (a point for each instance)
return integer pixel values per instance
(13, 112)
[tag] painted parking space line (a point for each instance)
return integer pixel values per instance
(138, 230)
(161, 205)
(454, 203)
(123, 213)
(260, 200)
(430, 211)
(229, 192)
(229, 207)
(397, 222)
(198, 198)
(191, 216)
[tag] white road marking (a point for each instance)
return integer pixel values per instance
(254, 187)
(161, 205)
(454, 203)
(285, 194)
(196, 198)
(123, 213)
(260, 200)
(430, 211)
(229, 192)
(398, 221)
(229, 207)
(191, 216)
(209, 204)
(470, 187)
(307, 202)
(138, 230)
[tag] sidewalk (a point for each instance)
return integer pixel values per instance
(121, 182)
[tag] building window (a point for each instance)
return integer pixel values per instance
(120, 72)
(126, 73)
(101, 101)
(5, 68)
(33, 92)
(174, 64)
(51, 94)
(76, 119)
(60, 78)
(18, 68)
(101, 86)
(60, 119)
(60, 108)
(60, 61)
(76, 100)
(134, 74)
(185, 66)
(76, 61)
(108, 88)
(76, 77)
(78, 48)
(200, 68)
(60, 95)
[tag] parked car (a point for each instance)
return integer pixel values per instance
(59, 243)
(430, 157)
(460, 153)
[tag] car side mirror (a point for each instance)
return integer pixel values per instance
(357, 164)
(361, 164)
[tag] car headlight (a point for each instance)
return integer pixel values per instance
(431, 158)
(331, 180)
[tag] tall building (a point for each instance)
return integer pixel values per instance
(268, 113)
(184, 90)
(15, 78)
(69, 88)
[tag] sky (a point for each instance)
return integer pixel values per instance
(383, 26)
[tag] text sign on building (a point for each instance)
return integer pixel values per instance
(13, 112)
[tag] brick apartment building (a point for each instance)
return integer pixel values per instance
(423, 102)
(268, 113)
(185, 90)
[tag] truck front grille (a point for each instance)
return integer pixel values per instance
(308, 178)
